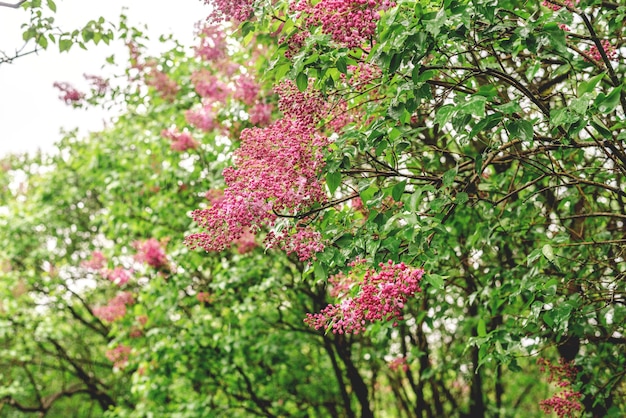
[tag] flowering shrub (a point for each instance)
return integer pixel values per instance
(566, 402)
(96, 262)
(151, 252)
(119, 275)
(276, 171)
(69, 94)
(381, 297)
(116, 308)
(349, 22)
(119, 356)
(595, 54)
(181, 141)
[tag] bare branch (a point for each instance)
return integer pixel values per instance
(11, 5)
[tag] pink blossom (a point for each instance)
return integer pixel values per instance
(116, 308)
(99, 84)
(360, 77)
(305, 242)
(261, 114)
(212, 42)
(209, 86)
(381, 297)
(162, 83)
(295, 43)
(204, 297)
(134, 55)
(119, 356)
(237, 10)
(556, 7)
(595, 54)
(565, 402)
(399, 363)
(202, 118)
(308, 106)
(151, 252)
(96, 262)
(351, 23)
(246, 242)
(276, 171)
(119, 275)
(247, 90)
(181, 141)
(214, 196)
(68, 93)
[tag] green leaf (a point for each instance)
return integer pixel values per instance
(589, 85)
(434, 280)
(302, 81)
(65, 45)
(398, 190)
(42, 42)
(433, 25)
(448, 177)
(475, 106)
(601, 128)
(520, 129)
(52, 6)
(462, 198)
(533, 256)
(333, 180)
(609, 103)
(341, 65)
(481, 329)
(548, 252)
(444, 114)
(395, 62)
(509, 108)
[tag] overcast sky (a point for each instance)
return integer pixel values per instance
(31, 115)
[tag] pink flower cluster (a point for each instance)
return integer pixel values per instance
(566, 402)
(162, 83)
(246, 242)
(119, 356)
(305, 242)
(237, 10)
(247, 90)
(116, 308)
(151, 252)
(209, 86)
(203, 118)
(119, 275)
(381, 297)
(261, 114)
(556, 7)
(609, 50)
(350, 23)
(212, 42)
(307, 106)
(276, 171)
(399, 363)
(68, 93)
(295, 43)
(360, 77)
(181, 141)
(98, 84)
(96, 262)
(204, 297)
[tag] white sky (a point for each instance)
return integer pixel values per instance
(31, 115)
